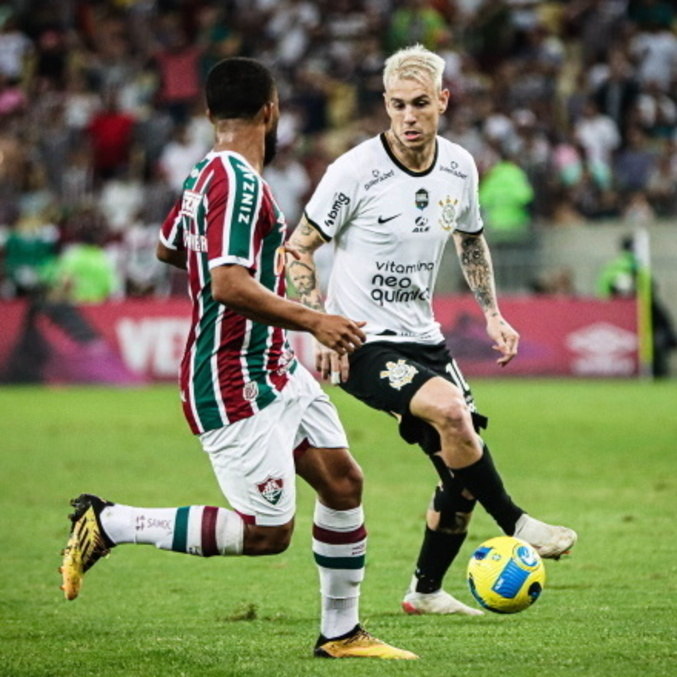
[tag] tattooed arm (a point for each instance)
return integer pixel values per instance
(301, 270)
(475, 258)
(302, 276)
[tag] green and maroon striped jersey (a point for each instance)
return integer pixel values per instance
(232, 367)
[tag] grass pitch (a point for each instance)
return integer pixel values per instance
(598, 456)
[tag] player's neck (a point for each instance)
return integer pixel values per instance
(243, 137)
(416, 160)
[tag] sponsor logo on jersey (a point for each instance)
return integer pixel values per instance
(421, 225)
(393, 283)
(194, 242)
(422, 198)
(448, 214)
(250, 391)
(399, 373)
(340, 200)
(452, 168)
(377, 177)
(271, 489)
(385, 219)
(190, 203)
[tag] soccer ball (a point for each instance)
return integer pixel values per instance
(506, 575)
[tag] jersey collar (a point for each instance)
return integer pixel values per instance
(405, 169)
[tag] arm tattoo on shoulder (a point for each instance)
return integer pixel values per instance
(477, 269)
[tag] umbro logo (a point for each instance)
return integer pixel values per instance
(381, 219)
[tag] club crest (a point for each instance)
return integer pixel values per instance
(271, 489)
(399, 373)
(448, 213)
(250, 391)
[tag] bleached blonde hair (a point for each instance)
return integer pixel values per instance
(414, 63)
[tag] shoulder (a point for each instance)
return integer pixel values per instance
(359, 160)
(452, 152)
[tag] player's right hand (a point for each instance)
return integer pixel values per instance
(339, 333)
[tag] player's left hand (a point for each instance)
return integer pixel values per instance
(505, 337)
(330, 364)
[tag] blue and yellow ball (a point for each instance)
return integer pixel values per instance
(506, 575)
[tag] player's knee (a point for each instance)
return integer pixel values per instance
(344, 491)
(452, 416)
(352, 482)
(267, 540)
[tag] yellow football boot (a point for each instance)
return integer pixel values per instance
(360, 644)
(86, 545)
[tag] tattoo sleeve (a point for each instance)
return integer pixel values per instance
(477, 269)
(301, 271)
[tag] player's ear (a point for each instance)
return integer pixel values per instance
(443, 100)
(268, 112)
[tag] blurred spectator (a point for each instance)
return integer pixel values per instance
(121, 200)
(179, 156)
(52, 57)
(142, 272)
(657, 111)
(178, 64)
(84, 272)
(29, 256)
(111, 134)
(599, 136)
(416, 21)
(12, 98)
(634, 163)
(617, 95)
(290, 184)
(655, 50)
(595, 199)
(16, 48)
(505, 196)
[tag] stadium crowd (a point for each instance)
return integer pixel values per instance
(568, 108)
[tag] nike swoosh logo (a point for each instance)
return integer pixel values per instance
(389, 218)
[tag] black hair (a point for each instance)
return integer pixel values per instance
(238, 87)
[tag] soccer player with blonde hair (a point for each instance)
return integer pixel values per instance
(390, 205)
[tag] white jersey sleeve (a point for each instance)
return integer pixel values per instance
(469, 219)
(334, 200)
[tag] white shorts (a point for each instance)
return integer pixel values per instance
(253, 459)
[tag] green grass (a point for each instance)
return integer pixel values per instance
(599, 456)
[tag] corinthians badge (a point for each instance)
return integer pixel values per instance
(448, 215)
(399, 373)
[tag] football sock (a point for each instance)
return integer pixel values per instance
(197, 529)
(484, 483)
(438, 551)
(339, 546)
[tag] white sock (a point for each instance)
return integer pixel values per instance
(196, 529)
(339, 546)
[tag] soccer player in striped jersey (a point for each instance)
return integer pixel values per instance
(260, 416)
(390, 205)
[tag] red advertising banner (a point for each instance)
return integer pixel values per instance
(138, 341)
(558, 336)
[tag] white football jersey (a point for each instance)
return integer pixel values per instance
(389, 227)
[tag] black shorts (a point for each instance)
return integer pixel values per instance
(386, 375)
